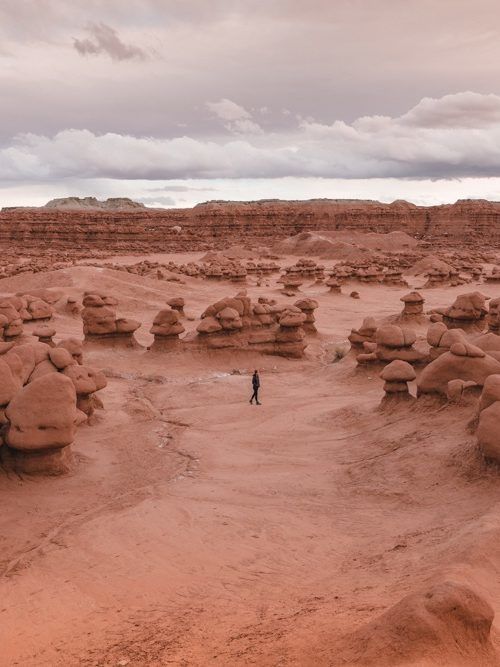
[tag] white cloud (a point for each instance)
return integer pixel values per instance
(418, 144)
(466, 109)
(237, 119)
(228, 110)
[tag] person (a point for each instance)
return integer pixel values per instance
(255, 385)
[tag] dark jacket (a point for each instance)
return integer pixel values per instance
(255, 381)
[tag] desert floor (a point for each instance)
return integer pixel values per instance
(198, 530)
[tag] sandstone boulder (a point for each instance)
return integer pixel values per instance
(464, 362)
(74, 347)
(42, 419)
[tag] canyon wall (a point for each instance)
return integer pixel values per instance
(219, 224)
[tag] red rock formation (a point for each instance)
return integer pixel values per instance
(221, 223)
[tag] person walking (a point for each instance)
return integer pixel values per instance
(256, 386)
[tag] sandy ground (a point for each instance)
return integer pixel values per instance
(199, 530)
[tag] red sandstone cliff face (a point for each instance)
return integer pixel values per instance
(219, 224)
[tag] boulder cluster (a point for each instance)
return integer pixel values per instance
(15, 310)
(167, 327)
(295, 275)
(237, 323)
(45, 393)
(392, 342)
(467, 309)
(463, 361)
(380, 273)
(439, 277)
(100, 322)
(214, 266)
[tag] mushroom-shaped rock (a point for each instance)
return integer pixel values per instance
(98, 320)
(42, 418)
(291, 329)
(393, 342)
(396, 376)
(166, 330)
(291, 284)
(413, 304)
(334, 284)
(467, 308)
(398, 372)
(308, 306)
(101, 324)
(167, 324)
(177, 303)
(44, 333)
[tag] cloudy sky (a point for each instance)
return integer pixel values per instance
(173, 102)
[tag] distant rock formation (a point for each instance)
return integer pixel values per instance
(83, 203)
(113, 228)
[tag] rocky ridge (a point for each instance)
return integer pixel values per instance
(208, 225)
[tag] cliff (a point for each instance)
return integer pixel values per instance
(82, 203)
(220, 224)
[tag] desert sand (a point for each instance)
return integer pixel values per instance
(195, 529)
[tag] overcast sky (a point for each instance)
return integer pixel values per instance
(174, 102)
